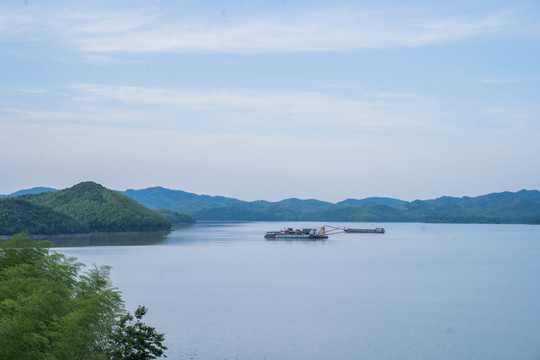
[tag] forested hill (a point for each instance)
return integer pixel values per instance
(34, 190)
(159, 197)
(504, 207)
(85, 207)
(162, 198)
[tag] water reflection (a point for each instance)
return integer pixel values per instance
(296, 240)
(107, 239)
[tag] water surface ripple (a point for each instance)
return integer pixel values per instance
(419, 291)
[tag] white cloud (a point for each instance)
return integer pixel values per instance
(149, 30)
(398, 95)
(153, 129)
(43, 115)
(383, 110)
(380, 114)
(327, 31)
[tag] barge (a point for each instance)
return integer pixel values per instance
(365, 231)
(289, 233)
(314, 234)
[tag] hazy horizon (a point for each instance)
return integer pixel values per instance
(272, 100)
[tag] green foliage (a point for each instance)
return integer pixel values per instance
(176, 217)
(34, 190)
(373, 201)
(534, 219)
(102, 209)
(86, 207)
(92, 207)
(46, 311)
(309, 204)
(505, 207)
(17, 215)
(273, 212)
(466, 219)
(134, 340)
(335, 213)
(50, 310)
(415, 212)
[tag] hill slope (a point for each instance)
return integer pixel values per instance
(85, 207)
(176, 217)
(483, 201)
(101, 209)
(506, 207)
(492, 208)
(159, 197)
(34, 190)
(17, 215)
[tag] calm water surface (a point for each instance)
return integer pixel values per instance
(420, 291)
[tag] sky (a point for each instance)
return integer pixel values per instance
(272, 99)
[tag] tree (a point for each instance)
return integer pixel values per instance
(50, 310)
(134, 340)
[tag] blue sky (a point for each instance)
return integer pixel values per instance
(272, 99)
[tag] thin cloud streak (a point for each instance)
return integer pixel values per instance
(325, 32)
(499, 81)
(388, 111)
(254, 112)
(333, 30)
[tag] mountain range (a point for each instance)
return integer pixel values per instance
(504, 207)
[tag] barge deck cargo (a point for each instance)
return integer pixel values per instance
(314, 234)
(289, 233)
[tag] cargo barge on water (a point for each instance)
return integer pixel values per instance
(289, 233)
(365, 231)
(314, 234)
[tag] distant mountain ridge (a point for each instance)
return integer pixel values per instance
(506, 207)
(159, 197)
(485, 200)
(372, 201)
(34, 190)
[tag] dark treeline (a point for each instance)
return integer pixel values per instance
(17, 215)
(514, 213)
(176, 217)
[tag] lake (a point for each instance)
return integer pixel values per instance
(419, 291)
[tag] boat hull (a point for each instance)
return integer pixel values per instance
(295, 237)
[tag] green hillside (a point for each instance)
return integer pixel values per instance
(17, 215)
(159, 197)
(34, 190)
(505, 207)
(99, 209)
(85, 207)
(504, 211)
(176, 217)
